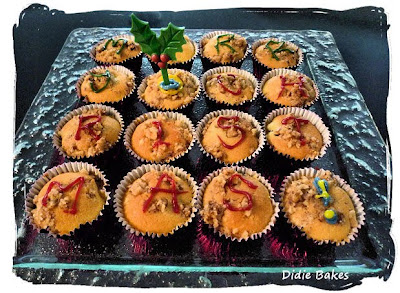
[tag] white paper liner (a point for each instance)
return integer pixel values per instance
(234, 70)
(108, 111)
(92, 52)
(118, 68)
(305, 114)
(142, 88)
(135, 174)
(151, 115)
(53, 172)
(283, 71)
(311, 172)
(245, 171)
(210, 35)
(257, 43)
(203, 122)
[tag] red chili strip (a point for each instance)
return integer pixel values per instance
(160, 133)
(79, 180)
(243, 192)
(298, 122)
(238, 92)
(242, 131)
(89, 126)
(303, 93)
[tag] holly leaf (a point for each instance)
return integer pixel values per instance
(171, 39)
(146, 38)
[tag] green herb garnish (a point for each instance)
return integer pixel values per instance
(105, 74)
(114, 43)
(224, 42)
(277, 50)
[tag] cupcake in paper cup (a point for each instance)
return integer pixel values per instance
(88, 131)
(159, 137)
(153, 95)
(229, 85)
(322, 205)
(66, 198)
(106, 85)
(156, 200)
(118, 50)
(229, 136)
(297, 133)
(237, 203)
(272, 53)
(184, 60)
(222, 48)
(289, 88)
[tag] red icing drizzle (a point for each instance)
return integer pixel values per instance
(242, 131)
(159, 140)
(238, 92)
(173, 191)
(88, 126)
(298, 122)
(79, 180)
(303, 93)
(234, 190)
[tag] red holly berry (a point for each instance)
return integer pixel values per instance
(155, 58)
(161, 64)
(164, 58)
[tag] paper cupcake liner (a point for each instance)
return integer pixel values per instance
(171, 115)
(207, 63)
(203, 122)
(133, 63)
(109, 111)
(306, 114)
(358, 206)
(260, 69)
(186, 65)
(246, 171)
(142, 88)
(53, 172)
(229, 69)
(136, 174)
(283, 71)
(111, 103)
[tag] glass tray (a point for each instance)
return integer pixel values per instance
(108, 255)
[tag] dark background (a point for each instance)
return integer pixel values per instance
(361, 36)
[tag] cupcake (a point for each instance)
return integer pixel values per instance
(229, 85)
(152, 94)
(121, 50)
(222, 48)
(109, 84)
(159, 136)
(184, 60)
(230, 136)
(289, 88)
(156, 200)
(272, 53)
(322, 205)
(66, 197)
(88, 131)
(237, 203)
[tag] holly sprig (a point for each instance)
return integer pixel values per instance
(161, 48)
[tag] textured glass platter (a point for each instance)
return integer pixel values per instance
(108, 255)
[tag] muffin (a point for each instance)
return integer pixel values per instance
(289, 88)
(322, 205)
(159, 136)
(88, 131)
(273, 53)
(153, 95)
(230, 136)
(184, 60)
(230, 85)
(238, 203)
(109, 84)
(156, 200)
(297, 134)
(66, 197)
(222, 48)
(122, 50)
